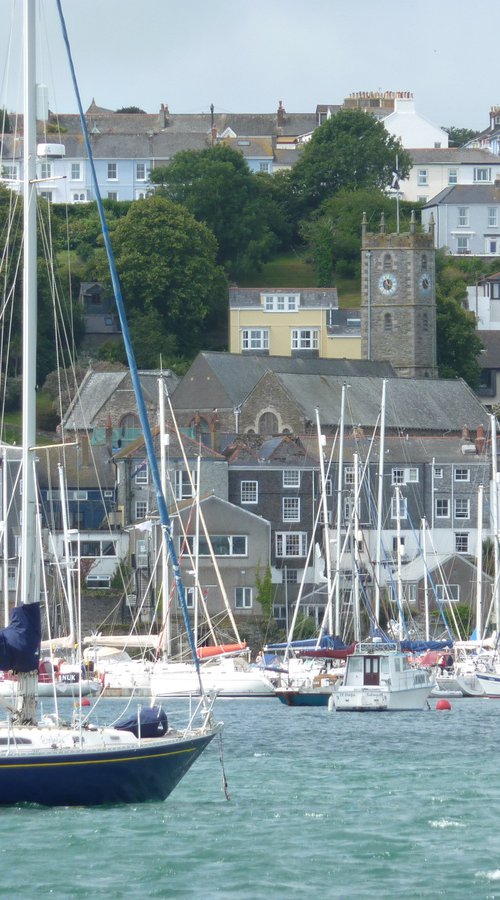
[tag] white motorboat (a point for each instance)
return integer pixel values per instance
(379, 676)
(226, 676)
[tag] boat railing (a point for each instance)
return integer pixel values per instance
(377, 647)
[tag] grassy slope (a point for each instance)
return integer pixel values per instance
(294, 271)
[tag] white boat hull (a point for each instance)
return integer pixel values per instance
(378, 698)
(490, 683)
(458, 685)
(223, 679)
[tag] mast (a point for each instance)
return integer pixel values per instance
(339, 511)
(326, 528)
(380, 501)
(479, 565)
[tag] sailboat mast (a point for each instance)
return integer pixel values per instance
(30, 574)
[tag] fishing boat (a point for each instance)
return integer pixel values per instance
(379, 676)
(47, 761)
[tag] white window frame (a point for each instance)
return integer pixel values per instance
(112, 195)
(76, 171)
(492, 246)
(255, 339)
(422, 177)
(140, 167)
(291, 478)
(204, 550)
(305, 338)
(403, 508)
(461, 473)
(9, 171)
(141, 509)
(442, 507)
(463, 214)
(438, 471)
(482, 174)
(243, 598)
(461, 541)
(398, 476)
(348, 474)
(112, 171)
(185, 488)
(142, 474)
(46, 170)
(450, 592)
(462, 508)
(290, 544)
(281, 302)
(249, 492)
(452, 176)
(463, 245)
(290, 509)
(492, 216)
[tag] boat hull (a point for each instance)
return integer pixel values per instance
(490, 684)
(377, 699)
(293, 697)
(149, 770)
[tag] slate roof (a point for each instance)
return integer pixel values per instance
(96, 390)
(399, 449)
(411, 404)
(243, 298)
(224, 380)
(460, 194)
(453, 156)
(490, 356)
(191, 447)
(84, 467)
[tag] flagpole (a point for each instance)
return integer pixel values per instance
(397, 196)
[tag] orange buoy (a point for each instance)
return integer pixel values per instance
(86, 701)
(443, 704)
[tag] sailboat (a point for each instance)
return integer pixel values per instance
(47, 761)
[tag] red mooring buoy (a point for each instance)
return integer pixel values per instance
(443, 704)
(86, 701)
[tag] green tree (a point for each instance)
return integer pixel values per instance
(240, 208)
(457, 137)
(265, 592)
(458, 342)
(333, 232)
(350, 151)
(167, 265)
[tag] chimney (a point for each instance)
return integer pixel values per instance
(109, 436)
(280, 115)
(466, 433)
(213, 127)
(480, 439)
(85, 461)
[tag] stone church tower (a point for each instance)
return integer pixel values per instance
(398, 300)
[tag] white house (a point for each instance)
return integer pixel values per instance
(436, 169)
(412, 129)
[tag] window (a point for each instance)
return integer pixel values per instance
(448, 592)
(281, 302)
(9, 172)
(462, 541)
(189, 596)
(452, 176)
(405, 476)
(425, 322)
(112, 195)
(442, 508)
(79, 198)
(183, 487)
(140, 171)
(328, 487)
(98, 582)
(263, 167)
(46, 170)
(255, 339)
(438, 471)
(47, 195)
(223, 544)
(462, 508)
(492, 246)
(462, 474)
(395, 545)
(493, 216)
(349, 475)
(92, 549)
(112, 172)
(422, 177)
(76, 171)
(141, 509)
(291, 509)
(329, 517)
(401, 511)
(463, 245)
(398, 476)
(249, 492)
(291, 478)
(387, 322)
(243, 597)
(289, 576)
(463, 216)
(142, 473)
(482, 173)
(305, 339)
(291, 543)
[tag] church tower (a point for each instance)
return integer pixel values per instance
(398, 300)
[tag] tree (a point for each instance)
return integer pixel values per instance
(333, 232)
(167, 265)
(458, 342)
(130, 109)
(350, 151)
(240, 208)
(457, 137)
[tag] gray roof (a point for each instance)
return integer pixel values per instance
(460, 194)
(400, 448)
(224, 380)
(411, 404)
(453, 156)
(85, 466)
(97, 388)
(490, 356)
(242, 298)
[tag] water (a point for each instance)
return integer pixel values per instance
(330, 805)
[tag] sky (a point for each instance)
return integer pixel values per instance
(247, 56)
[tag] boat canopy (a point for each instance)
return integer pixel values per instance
(20, 641)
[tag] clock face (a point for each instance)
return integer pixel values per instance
(425, 282)
(388, 284)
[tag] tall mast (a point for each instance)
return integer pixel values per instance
(30, 574)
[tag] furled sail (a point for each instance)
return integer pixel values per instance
(20, 641)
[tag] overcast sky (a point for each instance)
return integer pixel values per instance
(247, 56)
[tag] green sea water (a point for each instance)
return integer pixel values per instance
(323, 804)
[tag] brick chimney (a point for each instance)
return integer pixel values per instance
(280, 115)
(480, 439)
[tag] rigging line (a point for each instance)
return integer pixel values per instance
(162, 507)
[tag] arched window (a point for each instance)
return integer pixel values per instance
(387, 261)
(129, 421)
(423, 262)
(387, 322)
(268, 423)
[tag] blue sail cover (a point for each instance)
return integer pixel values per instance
(20, 641)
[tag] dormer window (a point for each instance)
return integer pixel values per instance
(281, 302)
